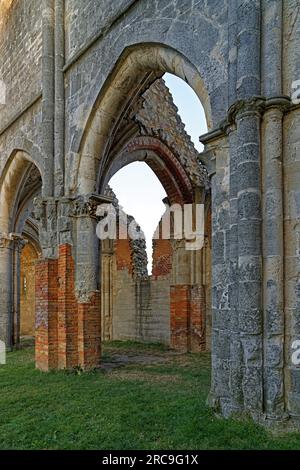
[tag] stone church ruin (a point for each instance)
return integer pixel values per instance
(81, 96)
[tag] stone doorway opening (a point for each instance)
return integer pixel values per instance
(164, 299)
(20, 247)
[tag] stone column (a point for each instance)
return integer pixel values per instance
(273, 297)
(59, 121)
(48, 73)
(232, 46)
(18, 244)
(10, 249)
(236, 353)
(250, 253)
(272, 26)
(217, 156)
(248, 190)
(248, 80)
(272, 204)
(6, 290)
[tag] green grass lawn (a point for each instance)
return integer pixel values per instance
(155, 404)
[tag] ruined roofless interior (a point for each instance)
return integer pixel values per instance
(82, 95)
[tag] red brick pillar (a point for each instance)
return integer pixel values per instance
(67, 310)
(89, 333)
(46, 288)
(187, 318)
(68, 334)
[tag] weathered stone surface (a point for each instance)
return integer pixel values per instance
(230, 53)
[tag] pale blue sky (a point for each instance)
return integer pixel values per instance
(137, 187)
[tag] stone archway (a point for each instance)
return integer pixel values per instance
(19, 183)
(145, 63)
(182, 325)
(174, 160)
(137, 64)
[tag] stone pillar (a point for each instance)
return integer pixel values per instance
(48, 79)
(236, 353)
(248, 80)
(18, 244)
(249, 392)
(250, 253)
(272, 205)
(6, 290)
(10, 249)
(235, 379)
(232, 56)
(272, 27)
(59, 121)
(237, 344)
(273, 280)
(217, 156)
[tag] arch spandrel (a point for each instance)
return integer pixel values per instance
(119, 90)
(12, 180)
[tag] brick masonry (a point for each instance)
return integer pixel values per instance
(68, 333)
(187, 318)
(151, 309)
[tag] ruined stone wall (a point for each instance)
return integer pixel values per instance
(140, 304)
(21, 75)
(21, 53)
(125, 311)
(175, 24)
(231, 53)
(84, 20)
(170, 305)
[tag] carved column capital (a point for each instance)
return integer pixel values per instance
(5, 241)
(19, 242)
(12, 241)
(242, 108)
(257, 105)
(86, 205)
(45, 212)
